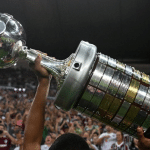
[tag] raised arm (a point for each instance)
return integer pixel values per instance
(35, 121)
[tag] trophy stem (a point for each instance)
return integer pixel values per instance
(57, 68)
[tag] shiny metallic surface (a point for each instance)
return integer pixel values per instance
(120, 66)
(132, 91)
(97, 74)
(146, 123)
(112, 62)
(123, 87)
(136, 74)
(129, 70)
(115, 82)
(128, 119)
(138, 121)
(95, 102)
(146, 103)
(85, 54)
(112, 109)
(121, 113)
(141, 94)
(145, 78)
(103, 107)
(104, 83)
(87, 96)
(103, 58)
(11, 31)
(2, 27)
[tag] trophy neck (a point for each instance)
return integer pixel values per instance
(57, 68)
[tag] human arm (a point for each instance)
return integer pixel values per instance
(101, 138)
(13, 140)
(35, 121)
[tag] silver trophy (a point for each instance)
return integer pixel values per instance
(92, 83)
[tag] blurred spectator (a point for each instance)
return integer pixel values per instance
(134, 144)
(107, 139)
(20, 140)
(47, 144)
(119, 145)
(5, 138)
(16, 97)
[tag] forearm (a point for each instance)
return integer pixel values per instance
(99, 141)
(92, 147)
(35, 122)
(13, 140)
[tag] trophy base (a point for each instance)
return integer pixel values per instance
(77, 77)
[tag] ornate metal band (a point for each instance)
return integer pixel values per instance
(118, 95)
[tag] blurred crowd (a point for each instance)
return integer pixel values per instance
(15, 104)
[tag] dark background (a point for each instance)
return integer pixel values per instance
(119, 28)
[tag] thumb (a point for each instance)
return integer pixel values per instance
(140, 133)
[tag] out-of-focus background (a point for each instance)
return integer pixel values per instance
(119, 29)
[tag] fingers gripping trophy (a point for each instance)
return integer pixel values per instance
(92, 83)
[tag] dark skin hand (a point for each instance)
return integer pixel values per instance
(144, 143)
(36, 117)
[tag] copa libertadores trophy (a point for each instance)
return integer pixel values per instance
(89, 82)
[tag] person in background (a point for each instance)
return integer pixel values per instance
(5, 138)
(107, 139)
(134, 144)
(119, 145)
(20, 140)
(48, 143)
(91, 146)
(89, 127)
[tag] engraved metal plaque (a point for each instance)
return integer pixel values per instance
(104, 83)
(121, 113)
(132, 91)
(146, 103)
(97, 74)
(115, 82)
(141, 94)
(123, 87)
(95, 102)
(112, 109)
(130, 116)
(138, 121)
(146, 123)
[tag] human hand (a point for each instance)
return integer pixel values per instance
(88, 142)
(143, 143)
(40, 71)
(5, 132)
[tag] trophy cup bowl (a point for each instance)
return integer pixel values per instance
(11, 31)
(92, 83)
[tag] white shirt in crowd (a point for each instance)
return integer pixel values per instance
(44, 147)
(17, 148)
(106, 145)
(95, 147)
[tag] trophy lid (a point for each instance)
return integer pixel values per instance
(11, 31)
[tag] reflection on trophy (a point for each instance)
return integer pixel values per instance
(89, 82)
